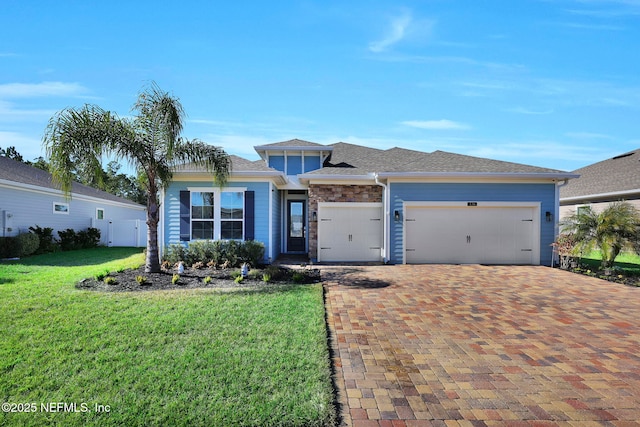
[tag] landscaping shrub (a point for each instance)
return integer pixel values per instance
(84, 239)
(47, 242)
(174, 253)
(229, 253)
(22, 245)
(252, 252)
(9, 247)
(28, 243)
(89, 238)
(67, 239)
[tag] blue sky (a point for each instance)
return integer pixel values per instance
(553, 83)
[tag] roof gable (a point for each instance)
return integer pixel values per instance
(293, 143)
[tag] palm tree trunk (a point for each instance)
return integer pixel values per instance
(152, 261)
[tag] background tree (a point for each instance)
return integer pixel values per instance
(150, 141)
(612, 230)
(11, 153)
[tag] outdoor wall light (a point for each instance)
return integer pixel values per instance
(396, 215)
(549, 216)
(314, 216)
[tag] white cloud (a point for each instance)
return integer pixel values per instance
(396, 32)
(436, 124)
(32, 90)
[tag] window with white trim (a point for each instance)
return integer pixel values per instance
(61, 208)
(232, 215)
(99, 213)
(202, 215)
(217, 215)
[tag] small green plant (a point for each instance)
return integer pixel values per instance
(207, 280)
(238, 279)
(100, 276)
(141, 280)
(235, 274)
(298, 277)
(120, 269)
(110, 280)
(175, 279)
(266, 277)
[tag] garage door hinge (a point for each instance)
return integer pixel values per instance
(370, 247)
(527, 220)
(410, 220)
(325, 248)
(325, 219)
(411, 250)
(374, 219)
(526, 250)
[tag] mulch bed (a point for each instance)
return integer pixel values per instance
(613, 276)
(125, 281)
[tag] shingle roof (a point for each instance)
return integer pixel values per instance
(12, 170)
(240, 164)
(620, 173)
(349, 159)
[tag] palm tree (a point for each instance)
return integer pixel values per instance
(612, 230)
(150, 142)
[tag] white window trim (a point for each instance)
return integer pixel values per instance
(217, 204)
(57, 212)
(97, 213)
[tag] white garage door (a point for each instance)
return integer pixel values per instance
(350, 232)
(464, 234)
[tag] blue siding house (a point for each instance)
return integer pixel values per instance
(349, 203)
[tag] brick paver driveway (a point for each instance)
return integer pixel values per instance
(477, 345)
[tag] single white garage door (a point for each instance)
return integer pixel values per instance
(350, 232)
(477, 234)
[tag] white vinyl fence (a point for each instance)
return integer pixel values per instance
(124, 232)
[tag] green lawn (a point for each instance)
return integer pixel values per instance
(627, 262)
(199, 357)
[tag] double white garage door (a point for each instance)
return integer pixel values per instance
(488, 233)
(448, 233)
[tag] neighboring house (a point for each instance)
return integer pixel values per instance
(28, 198)
(604, 182)
(345, 202)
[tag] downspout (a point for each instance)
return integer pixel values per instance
(556, 226)
(385, 219)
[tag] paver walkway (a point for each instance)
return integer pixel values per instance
(438, 345)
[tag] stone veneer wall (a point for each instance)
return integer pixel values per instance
(336, 193)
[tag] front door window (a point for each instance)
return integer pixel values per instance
(296, 231)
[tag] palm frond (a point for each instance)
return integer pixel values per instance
(78, 138)
(213, 159)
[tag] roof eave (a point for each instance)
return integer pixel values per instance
(502, 175)
(334, 177)
(293, 148)
(601, 195)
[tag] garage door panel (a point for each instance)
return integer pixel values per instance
(348, 232)
(495, 235)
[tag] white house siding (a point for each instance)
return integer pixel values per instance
(31, 207)
(567, 210)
